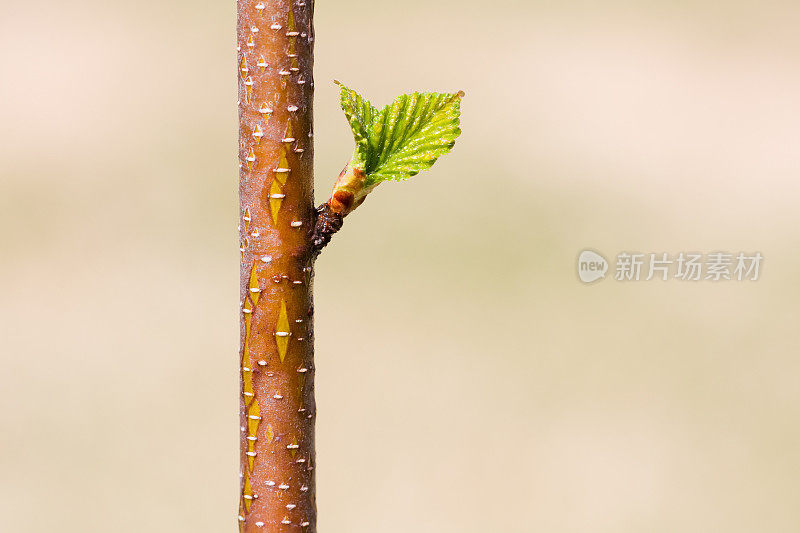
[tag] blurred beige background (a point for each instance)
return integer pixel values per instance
(483, 387)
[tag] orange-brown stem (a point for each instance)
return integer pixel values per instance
(275, 59)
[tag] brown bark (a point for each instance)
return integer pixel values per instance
(275, 55)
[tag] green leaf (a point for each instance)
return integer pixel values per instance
(405, 137)
(360, 114)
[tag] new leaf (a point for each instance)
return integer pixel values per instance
(405, 137)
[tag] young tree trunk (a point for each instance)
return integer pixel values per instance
(275, 54)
